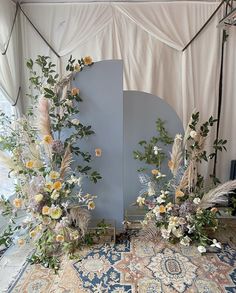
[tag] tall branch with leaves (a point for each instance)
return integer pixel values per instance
(46, 158)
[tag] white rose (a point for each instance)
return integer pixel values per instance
(193, 134)
(196, 200)
(75, 121)
(38, 197)
(201, 249)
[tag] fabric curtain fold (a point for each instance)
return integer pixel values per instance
(149, 37)
(10, 62)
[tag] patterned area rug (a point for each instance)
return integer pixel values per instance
(137, 267)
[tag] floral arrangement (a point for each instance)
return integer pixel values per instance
(43, 154)
(184, 210)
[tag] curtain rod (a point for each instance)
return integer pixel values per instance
(54, 51)
(205, 24)
(110, 1)
(13, 24)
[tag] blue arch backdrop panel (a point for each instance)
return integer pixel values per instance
(141, 111)
(101, 88)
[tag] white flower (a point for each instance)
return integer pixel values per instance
(179, 136)
(190, 229)
(75, 121)
(185, 241)
(156, 150)
(169, 206)
(201, 249)
(156, 210)
(55, 195)
(193, 134)
(164, 193)
(165, 233)
(68, 103)
(160, 200)
(160, 175)
(177, 232)
(173, 221)
(38, 197)
(196, 200)
(140, 200)
(216, 243)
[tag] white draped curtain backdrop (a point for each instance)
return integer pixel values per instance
(149, 38)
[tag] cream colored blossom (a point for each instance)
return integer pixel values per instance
(75, 121)
(54, 175)
(45, 210)
(91, 205)
(141, 201)
(60, 238)
(55, 212)
(38, 197)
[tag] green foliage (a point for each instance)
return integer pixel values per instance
(147, 155)
(7, 235)
(194, 147)
(33, 160)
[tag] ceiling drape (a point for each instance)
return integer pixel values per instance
(149, 37)
(9, 63)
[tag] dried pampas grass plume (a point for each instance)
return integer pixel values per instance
(149, 231)
(217, 195)
(44, 123)
(66, 162)
(80, 217)
(176, 154)
(189, 178)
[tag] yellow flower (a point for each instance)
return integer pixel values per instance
(77, 67)
(38, 197)
(29, 164)
(55, 213)
(17, 202)
(33, 233)
(214, 210)
(179, 193)
(60, 238)
(54, 175)
(88, 60)
(21, 242)
(162, 209)
(98, 152)
(75, 91)
(45, 210)
(47, 139)
(91, 205)
(155, 172)
(57, 185)
(49, 185)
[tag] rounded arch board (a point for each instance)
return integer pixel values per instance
(141, 110)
